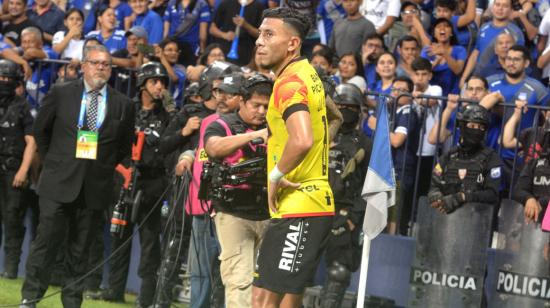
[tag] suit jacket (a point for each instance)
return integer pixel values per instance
(64, 176)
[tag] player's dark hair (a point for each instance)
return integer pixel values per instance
(299, 22)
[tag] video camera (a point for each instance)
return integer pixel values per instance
(222, 182)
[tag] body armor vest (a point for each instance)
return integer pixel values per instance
(541, 179)
(152, 123)
(344, 190)
(12, 138)
(465, 174)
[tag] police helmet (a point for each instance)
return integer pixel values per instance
(151, 70)
(214, 71)
(473, 113)
(257, 79)
(11, 70)
(348, 94)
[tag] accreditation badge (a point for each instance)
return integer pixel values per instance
(86, 144)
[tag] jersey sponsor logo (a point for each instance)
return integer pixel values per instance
(309, 188)
(291, 256)
(523, 285)
(541, 180)
(495, 173)
(426, 277)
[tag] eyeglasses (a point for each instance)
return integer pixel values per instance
(96, 63)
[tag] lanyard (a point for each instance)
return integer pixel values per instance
(100, 110)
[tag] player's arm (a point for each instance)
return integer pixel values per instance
(300, 141)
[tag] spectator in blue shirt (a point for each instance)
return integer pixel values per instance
(513, 85)
(122, 10)
(484, 51)
(446, 56)
(372, 48)
(107, 34)
(33, 49)
(186, 22)
(464, 26)
(48, 17)
(386, 67)
(142, 16)
(168, 53)
(330, 11)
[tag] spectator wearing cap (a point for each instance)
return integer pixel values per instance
(17, 12)
(167, 51)
(69, 43)
(131, 57)
(107, 34)
(149, 20)
(48, 17)
(350, 32)
(382, 13)
(187, 22)
(446, 55)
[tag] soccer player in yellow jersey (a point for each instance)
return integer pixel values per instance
(300, 199)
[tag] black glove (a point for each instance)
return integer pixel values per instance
(340, 223)
(434, 195)
(451, 202)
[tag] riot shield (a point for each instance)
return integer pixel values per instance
(451, 256)
(522, 270)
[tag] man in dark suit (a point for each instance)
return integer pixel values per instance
(83, 130)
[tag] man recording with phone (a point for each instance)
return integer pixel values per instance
(233, 141)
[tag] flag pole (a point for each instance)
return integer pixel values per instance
(363, 274)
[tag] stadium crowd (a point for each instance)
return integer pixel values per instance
(494, 53)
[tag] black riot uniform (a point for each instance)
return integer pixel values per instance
(534, 180)
(15, 124)
(348, 164)
(151, 181)
(469, 173)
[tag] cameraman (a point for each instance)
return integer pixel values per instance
(240, 224)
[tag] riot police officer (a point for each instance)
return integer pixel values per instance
(151, 119)
(17, 148)
(348, 162)
(533, 187)
(464, 190)
(470, 172)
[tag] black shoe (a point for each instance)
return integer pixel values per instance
(27, 303)
(110, 296)
(93, 294)
(9, 275)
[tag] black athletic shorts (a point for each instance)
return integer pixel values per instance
(290, 253)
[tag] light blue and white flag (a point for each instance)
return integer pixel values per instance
(379, 187)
